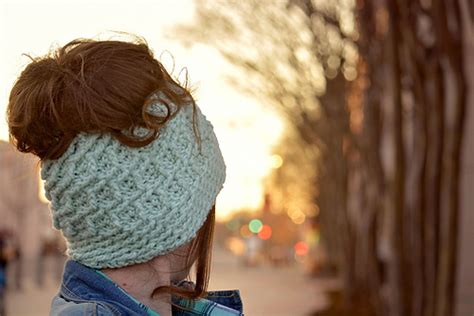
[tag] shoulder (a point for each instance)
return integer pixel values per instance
(62, 307)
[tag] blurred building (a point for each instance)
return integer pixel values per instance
(22, 213)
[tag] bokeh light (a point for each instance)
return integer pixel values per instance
(265, 233)
(301, 248)
(313, 237)
(276, 161)
(245, 232)
(296, 215)
(233, 225)
(255, 226)
(236, 245)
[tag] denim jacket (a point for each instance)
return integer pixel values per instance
(84, 292)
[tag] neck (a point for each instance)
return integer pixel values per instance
(141, 280)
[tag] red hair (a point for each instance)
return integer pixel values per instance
(89, 86)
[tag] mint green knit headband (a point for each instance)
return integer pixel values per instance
(117, 205)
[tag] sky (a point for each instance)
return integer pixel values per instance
(247, 130)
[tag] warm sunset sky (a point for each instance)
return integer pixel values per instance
(246, 130)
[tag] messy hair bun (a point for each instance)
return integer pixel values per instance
(90, 86)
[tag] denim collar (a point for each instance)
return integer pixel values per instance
(83, 284)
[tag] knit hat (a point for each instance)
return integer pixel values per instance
(117, 205)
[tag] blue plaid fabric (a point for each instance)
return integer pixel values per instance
(202, 307)
(215, 303)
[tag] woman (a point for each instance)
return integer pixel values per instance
(132, 169)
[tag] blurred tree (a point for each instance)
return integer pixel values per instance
(295, 58)
(289, 187)
(407, 110)
(423, 43)
(387, 126)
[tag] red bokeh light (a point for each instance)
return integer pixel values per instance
(301, 248)
(265, 233)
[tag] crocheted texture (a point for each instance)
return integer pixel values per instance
(117, 205)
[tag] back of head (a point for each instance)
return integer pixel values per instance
(131, 166)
